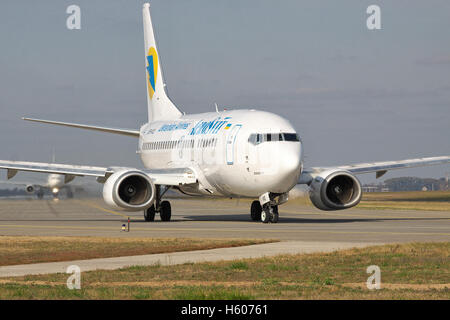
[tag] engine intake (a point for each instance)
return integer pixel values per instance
(335, 190)
(131, 190)
(29, 189)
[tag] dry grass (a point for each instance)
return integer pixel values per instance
(403, 205)
(416, 200)
(24, 250)
(421, 196)
(408, 271)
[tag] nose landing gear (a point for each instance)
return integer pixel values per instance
(269, 214)
(265, 214)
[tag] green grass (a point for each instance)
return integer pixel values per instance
(408, 271)
(239, 265)
(207, 293)
(414, 200)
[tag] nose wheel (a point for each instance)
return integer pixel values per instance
(255, 211)
(162, 207)
(267, 213)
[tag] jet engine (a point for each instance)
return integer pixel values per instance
(29, 189)
(129, 190)
(335, 190)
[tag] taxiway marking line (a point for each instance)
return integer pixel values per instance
(244, 230)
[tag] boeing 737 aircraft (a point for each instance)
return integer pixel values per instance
(235, 153)
(55, 184)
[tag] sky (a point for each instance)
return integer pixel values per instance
(354, 94)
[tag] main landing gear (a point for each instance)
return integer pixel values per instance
(265, 214)
(40, 194)
(162, 207)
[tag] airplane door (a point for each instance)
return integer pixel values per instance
(231, 139)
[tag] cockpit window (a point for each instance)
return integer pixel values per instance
(291, 137)
(257, 138)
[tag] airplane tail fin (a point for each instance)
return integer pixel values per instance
(159, 105)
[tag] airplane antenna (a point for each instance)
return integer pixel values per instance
(217, 108)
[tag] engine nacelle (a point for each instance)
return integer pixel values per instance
(130, 190)
(29, 189)
(335, 190)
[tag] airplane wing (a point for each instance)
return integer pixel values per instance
(380, 168)
(169, 177)
(125, 132)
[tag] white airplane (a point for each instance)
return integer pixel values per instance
(55, 183)
(236, 153)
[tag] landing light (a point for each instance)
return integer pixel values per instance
(55, 190)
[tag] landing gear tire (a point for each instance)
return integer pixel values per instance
(165, 211)
(269, 214)
(255, 211)
(163, 208)
(265, 215)
(149, 214)
(274, 216)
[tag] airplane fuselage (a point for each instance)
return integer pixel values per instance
(240, 153)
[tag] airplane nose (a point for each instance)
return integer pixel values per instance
(290, 165)
(290, 162)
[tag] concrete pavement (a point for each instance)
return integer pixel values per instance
(222, 254)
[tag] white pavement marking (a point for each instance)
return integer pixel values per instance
(222, 254)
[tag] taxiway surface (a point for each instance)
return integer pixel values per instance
(222, 219)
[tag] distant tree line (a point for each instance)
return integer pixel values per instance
(415, 184)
